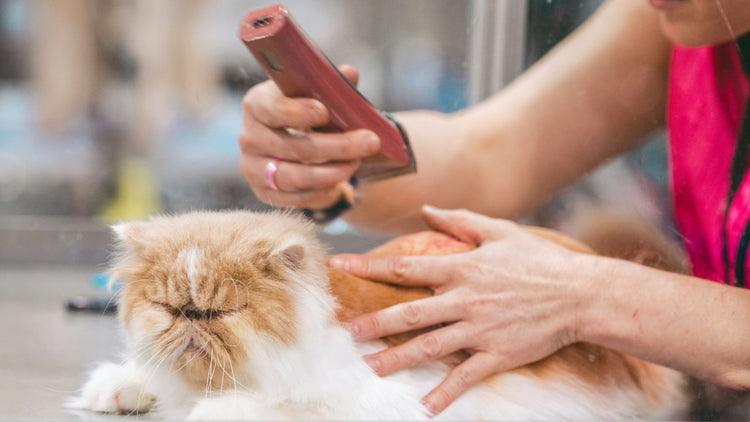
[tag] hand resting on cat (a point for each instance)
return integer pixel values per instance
(235, 316)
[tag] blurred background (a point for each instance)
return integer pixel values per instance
(118, 109)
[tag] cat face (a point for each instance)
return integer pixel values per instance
(201, 289)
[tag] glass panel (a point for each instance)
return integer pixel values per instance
(632, 186)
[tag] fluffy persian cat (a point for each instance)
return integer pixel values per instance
(234, 315)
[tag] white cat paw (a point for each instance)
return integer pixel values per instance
(114, 388)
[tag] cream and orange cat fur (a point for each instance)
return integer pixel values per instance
(235, 316)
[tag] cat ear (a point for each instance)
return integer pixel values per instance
(291, 256)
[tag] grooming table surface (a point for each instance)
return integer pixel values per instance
(46, 350)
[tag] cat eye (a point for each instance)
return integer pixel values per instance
(170, 309)
(192, 313)
(197, 314)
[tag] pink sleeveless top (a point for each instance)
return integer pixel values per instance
(708, 90)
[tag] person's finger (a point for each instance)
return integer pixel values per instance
(350, 73)
(424, 348)
(461, 378)
(295, 177)
(313, 199)
(266, 103)
(425, 271)
(307, 147)
(467, 226)
(404, 317)
(291, 177)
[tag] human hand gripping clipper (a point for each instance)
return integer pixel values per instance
(300, 69)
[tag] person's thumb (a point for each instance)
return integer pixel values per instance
(350, 73)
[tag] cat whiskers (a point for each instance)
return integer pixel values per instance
(158, 353)
(233, 377)
(236, 291)
(183, 315)
(195, 356)
(150, 369)
(149, 376)
(221, 340)
(223, 373)
(111, 299)
(210, 375)
(154, 350)
(213, 364)
(146, 349)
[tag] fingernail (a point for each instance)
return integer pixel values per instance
(373, 363)
(370, 140)
(352, 328)
(339, 263)
(429, 209)
(429, 407)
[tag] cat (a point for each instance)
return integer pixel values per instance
(235, 316)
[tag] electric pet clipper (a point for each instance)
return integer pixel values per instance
(301, 69)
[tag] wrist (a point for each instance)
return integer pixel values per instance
(588, 285)
(610, 294)
(345, 202)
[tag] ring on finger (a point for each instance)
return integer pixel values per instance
(269, 175)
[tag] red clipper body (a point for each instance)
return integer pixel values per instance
(301, 69)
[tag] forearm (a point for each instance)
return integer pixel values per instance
(592, 97)
(690, 324)
(446, 176)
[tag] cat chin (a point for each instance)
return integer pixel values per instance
(199, 367)
(193, 366)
